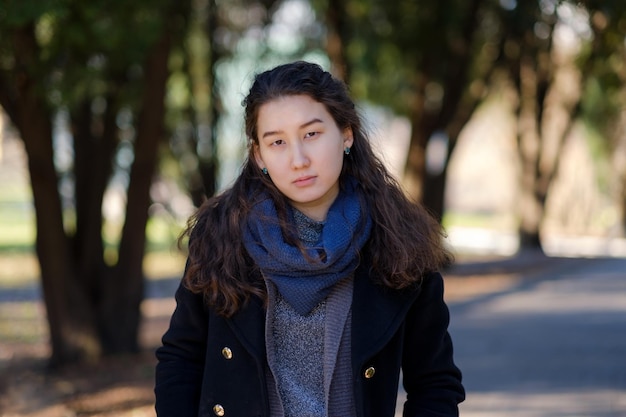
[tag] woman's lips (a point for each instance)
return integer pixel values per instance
(304, 181)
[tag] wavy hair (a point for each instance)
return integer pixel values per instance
(406, 241)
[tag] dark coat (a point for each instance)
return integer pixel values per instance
(391, 330)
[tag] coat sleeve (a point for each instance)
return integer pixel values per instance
(181, 358)
(430, 377)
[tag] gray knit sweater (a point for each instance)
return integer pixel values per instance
(309, 356)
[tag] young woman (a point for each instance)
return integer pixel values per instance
(311, 282)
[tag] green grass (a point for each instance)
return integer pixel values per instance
(18, 263)
(11, 193)
(478, 220)
(17, 221)
(17, 237)
(21, 322)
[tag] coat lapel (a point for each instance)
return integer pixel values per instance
(377, 313)
(248, 325)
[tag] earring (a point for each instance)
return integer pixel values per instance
(347, 150)
(264, 170)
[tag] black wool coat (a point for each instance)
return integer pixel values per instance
(210, 366)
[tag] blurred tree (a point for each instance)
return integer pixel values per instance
(104, 65)
(604, 101)
(541, 52)
(216, 31)
(528, 55)
(337, 19)
(434, 61)
(194, 114)
(427, 60)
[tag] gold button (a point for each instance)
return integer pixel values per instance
(218, 410)
(369, 372)
(227, 353)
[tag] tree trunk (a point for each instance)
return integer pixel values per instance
(209, 162)
(336, 39)
(434, 193)
(414, 169)
(123, 290)
(455, 110)
(530, 205)
(72, 336)
(94, 145)
(204, 117)
(549, 89)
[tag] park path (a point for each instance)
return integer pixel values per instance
(551, 345)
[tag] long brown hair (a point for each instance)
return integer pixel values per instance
(405, 242)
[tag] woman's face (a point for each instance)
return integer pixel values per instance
(303, 149)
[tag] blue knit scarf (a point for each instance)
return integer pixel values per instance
(303, 283)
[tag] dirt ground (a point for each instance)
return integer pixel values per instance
(119, 386)
(123, 386)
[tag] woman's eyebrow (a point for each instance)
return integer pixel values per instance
(303, 125)
(309, 123)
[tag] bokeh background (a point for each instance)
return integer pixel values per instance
(505, 118)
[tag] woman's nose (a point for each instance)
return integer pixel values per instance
(299, 157)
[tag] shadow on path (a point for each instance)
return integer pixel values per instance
(551, 345)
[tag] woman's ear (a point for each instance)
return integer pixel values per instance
(257, 156)
(348, 139)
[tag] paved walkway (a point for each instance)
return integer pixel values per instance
(553, 345)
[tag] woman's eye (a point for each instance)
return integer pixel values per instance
(277, 142)
(310, 134)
